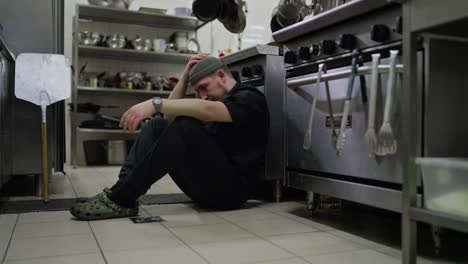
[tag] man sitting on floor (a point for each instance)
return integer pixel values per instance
(212, 147)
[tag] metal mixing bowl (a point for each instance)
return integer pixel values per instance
(116, 41)
(103, 3)
(141, 44)
(89, 38)
(120, 4)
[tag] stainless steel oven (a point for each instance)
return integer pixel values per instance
(330, 38)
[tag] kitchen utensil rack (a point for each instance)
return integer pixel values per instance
(364, 70)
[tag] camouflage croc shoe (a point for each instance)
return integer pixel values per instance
(101, 208)
(106, 191)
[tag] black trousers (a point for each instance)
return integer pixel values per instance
(192, 158)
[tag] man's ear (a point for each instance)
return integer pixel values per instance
(221, 74)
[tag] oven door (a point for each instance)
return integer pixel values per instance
(322, 158)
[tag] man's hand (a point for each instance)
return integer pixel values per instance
(132, 118)
(180, 90)
(192, 61)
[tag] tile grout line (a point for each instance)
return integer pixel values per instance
(92, 231)
(258, 236)
(9, 241)
(269, 242)
(180, 239)
(295, 220)
(282, 216)
(56, 256)
(192, 225)
(326, 231)
(388, 254)
(268, 261)
(67, 174)
(45, 221)
(350, 240)
(47, 236)
(356, 242)
(73, 186)
(338, 252)
(318, 231)
(97, 242)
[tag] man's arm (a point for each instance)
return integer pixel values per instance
(197, 108)
(181, 88)
(179, 92)
(203, 110)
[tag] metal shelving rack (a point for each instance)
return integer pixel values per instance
(121, 91)
(131, 55)
(119, 16)
(105, 131)
(103, 14)
(420, 16)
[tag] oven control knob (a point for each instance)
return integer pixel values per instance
(380, 33)
(315, 49)
(257, 70)
(246, 72)
(304, 53)
(290, 57)
(328, 47)
(347, 42)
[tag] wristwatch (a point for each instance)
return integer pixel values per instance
(157, 103)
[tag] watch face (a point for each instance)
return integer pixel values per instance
(157, 101)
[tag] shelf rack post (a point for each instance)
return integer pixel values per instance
(409, 97)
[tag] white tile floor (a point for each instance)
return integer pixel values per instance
(266, 233)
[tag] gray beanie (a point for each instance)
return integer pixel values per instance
(204, 68)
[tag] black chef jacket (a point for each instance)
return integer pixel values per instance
(244, 139)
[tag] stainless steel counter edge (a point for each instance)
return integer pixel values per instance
(5, 51)
(251, 52)
(328, 18)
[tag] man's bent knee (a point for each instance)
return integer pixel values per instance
(155, 123)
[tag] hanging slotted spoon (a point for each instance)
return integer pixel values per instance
(370, 137)
(387, 144)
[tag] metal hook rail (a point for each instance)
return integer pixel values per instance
(364, 70)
